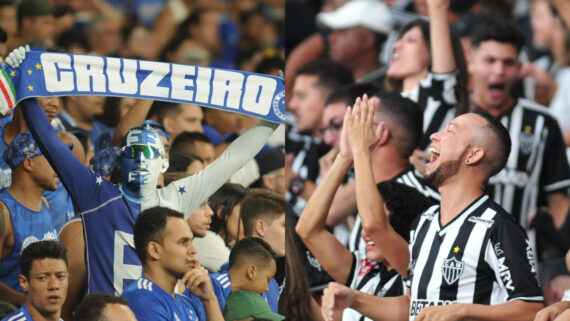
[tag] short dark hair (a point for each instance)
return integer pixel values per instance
(251, 250)
(179, 161)
(163, 109)
(404, 118)
(348, 94)
(92, 306)
(502, 142)
(149, 226)
(500, 31)
(48, 249)
(187, 139)
(331, 75)
(261, 204)
(405, 203)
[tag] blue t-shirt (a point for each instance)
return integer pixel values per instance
(150, 302)
(29, 227)
(21, 315)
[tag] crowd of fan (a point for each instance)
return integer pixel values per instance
(425, 69)
(180, 238)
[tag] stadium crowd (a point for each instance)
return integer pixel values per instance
(129, 209)
(427, 165)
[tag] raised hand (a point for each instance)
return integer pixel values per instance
(17, 55)
(359, 124)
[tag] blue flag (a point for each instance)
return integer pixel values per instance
(44, 74)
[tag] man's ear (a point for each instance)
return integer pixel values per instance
(268, 182)
(153, 250)
(251, 271)
(23, 283)
(259, 227)
(28, 165)
(165, 165)
(474, 156)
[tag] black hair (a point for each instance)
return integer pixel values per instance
(268, 64)
(458, 55)
(330, 75)
(148, 227)
(186, 139)
(348, 94)
(92, 306)
(222, 203)
(502, 142)
(251, 250)
(261, 204)
(404, 203)
(405, 118)
(179, 161)
(48, 249)
(500, 31)
(163, 109)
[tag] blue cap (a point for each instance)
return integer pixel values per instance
(103, 162)
(22, 147)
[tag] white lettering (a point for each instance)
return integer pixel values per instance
(510, 177)
(180, 82)
(227, 88)
(125, 82)
(122, 271)
(56, 79)
(89, 70)
(505, 274)
(203, 82)
(258, 94)
(149, 86)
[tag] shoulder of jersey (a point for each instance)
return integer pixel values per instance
(223, 279)
(144, 284)
(20, 316)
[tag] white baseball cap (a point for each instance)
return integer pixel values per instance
(370, 14)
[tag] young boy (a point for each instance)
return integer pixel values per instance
(252, 266)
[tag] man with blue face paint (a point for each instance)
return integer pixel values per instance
(109, 211)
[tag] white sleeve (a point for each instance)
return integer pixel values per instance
(193, 190)
(566, 296)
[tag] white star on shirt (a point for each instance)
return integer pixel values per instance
(99, 180)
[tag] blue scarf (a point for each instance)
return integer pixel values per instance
(44, 74)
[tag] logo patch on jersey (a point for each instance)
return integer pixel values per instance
(526, 139)
(365, 267)
(476, 219)
(498, 250)
(313, 261)
(452, 270)
(429, 216)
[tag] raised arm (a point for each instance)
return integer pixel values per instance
(362, 136)
(442, 59)
(331, 254)
(77, 179)
(133, 118)
(198, 187)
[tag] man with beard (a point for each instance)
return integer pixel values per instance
(467, 250)
(24, 212)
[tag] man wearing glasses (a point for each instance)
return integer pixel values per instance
(109, 211)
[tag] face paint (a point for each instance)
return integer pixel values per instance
(141, 161)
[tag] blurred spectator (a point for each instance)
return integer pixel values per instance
(104, 307)
(185, 162)
(104, 34)
(36, 21)
(177, 118)
(272, 170)
(194, 143)
(9, 20)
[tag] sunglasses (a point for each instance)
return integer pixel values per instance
(133, 151)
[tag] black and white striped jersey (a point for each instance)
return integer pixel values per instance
(307, 151)
(409, 177)
(437, 95)
(537, 164)
(372, 278)
(482, 256)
